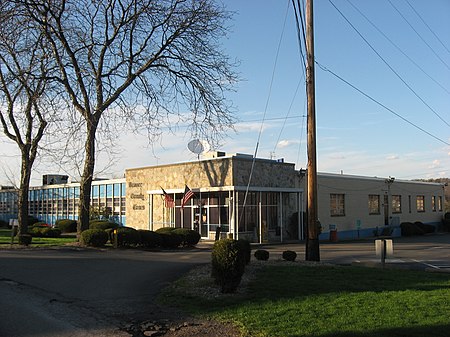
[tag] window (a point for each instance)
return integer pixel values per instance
(396, 204)
(374, 204)
(337, 204)
(433, 203)
(439, 204)
(420, 203)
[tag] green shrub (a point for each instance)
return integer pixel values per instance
(246, 248)
(165, 230)
(228, 264)
(24, 239)
(44, 231)
(94, 238)
(189, 236)
(262, 255)
(3, 224)
(446, 222)
(102, 224)
(425, 227)
(39, 224)
(66, 225)
(169, 239)
(125, 236)
(416, 228)
(149, 239)
(289, 255)
(410, 229)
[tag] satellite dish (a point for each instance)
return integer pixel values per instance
(195, 146)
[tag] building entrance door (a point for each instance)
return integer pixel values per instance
(201, 223)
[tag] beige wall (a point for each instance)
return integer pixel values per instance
(219, 172)
(357, 190)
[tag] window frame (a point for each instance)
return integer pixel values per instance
(396, 203)
(374, 198)
(337, 204)
(420, 203)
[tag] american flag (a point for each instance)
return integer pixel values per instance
(168, 200)
(188, 194)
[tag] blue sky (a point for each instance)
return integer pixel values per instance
(354, 134)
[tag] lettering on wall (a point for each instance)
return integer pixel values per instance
(137, 196)
(131, 184)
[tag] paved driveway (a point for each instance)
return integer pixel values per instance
(421, 252)
(70, 292)
(76, 293)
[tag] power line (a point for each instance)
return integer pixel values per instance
(300, 33)
(381, 104)
(420, 36)
(398, 48)
(429, 28)
(265, 112)
(287, 114)
(388, 65)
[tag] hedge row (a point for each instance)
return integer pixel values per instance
(130, 237)
(41, 230)
(416, 228)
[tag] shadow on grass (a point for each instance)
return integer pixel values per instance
(430, 331)
(291, 282)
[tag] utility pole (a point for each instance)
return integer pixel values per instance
(312, 240)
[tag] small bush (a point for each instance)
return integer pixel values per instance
(165, 230)
(66, 225)
(24, 239)
(169, 239)
(425, 227)
(416, 228)
(289, 255)
(102, 224)
(228, 264)
(94, 238)
(44, 231)
(3, 224)
(126, 237)
(189, 236)
(39, 224)
(149, 239)
(262, 255)
(246, 248)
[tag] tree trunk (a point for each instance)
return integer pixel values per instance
(86, 179)
(23, 193)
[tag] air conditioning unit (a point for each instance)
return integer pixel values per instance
(52, 179)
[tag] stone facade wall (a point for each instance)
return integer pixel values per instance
(217, 172)
(266, 173)
(173, 178)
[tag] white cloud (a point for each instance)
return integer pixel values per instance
(286, 143)
(393, 157)
(436, 164)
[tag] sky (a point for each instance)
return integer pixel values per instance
(382, 92)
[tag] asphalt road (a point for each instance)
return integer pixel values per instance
(70, 292)
(83, 292)
(430, 252)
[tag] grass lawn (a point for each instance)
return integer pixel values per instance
(5, 240)
(329, 301)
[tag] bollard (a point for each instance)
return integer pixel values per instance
(384, 248)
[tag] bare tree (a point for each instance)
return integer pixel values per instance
(23, 73)
(142, 60)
